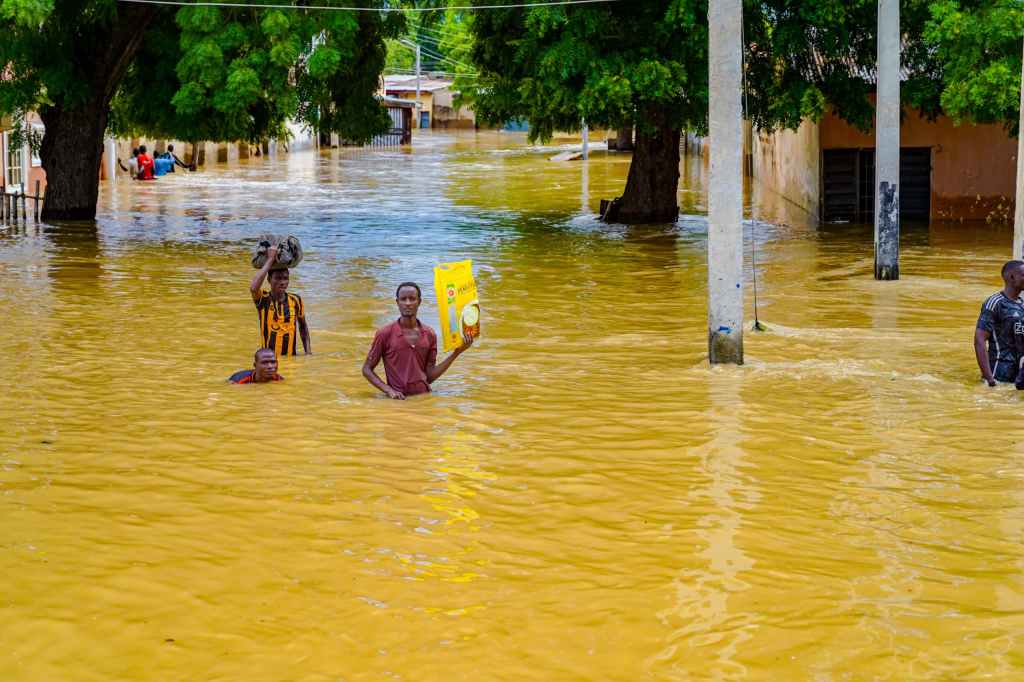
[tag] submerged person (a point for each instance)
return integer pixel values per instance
(264, 369)
(133, 164)
(999, 334)
(145, 164)
(170, 155)
(282, 315)
(409, 350)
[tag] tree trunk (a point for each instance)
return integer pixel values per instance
(71, 153)
(653, 182)
(72, 147)
(624, 139)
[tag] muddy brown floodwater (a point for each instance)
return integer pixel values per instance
(583, 498)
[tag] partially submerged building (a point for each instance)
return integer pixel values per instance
(947, 172)
(436, 104)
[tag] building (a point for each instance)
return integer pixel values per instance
(20, 168)
(947, 172)
(436, 102)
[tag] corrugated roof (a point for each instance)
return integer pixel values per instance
(408, 83)
(396, 101)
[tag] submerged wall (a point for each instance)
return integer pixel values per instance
(788, 163)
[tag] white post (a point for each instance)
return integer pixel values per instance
(584, 188)
(586, 140)
(111, 160)
(419, 106)
(887, 143)
(725, 190)
(1018, 213)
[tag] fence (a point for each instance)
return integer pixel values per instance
(400, 132)
(9, 204)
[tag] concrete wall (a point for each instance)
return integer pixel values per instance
(446, 115)
(973, 167)
(788, 162)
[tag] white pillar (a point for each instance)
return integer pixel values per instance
(111, 152)
(887, 143)
(725, 190)
(419, 105)
(1018, 213)
(586, 140)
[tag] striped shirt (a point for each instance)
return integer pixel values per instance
(279, 322)
(1003, 319)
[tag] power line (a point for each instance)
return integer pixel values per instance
(186, 3)
(436, 56)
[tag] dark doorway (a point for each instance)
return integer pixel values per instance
(848, 184)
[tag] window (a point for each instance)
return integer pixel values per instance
(15, 159)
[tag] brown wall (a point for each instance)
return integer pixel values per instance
(973, 167)
(788, 162)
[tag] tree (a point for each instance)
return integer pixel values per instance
(978, 44)
(644, 63)
(193, 73)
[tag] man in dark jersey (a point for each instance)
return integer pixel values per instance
(1001, 328)
(409, 350)
(264, 369)
(282, 315)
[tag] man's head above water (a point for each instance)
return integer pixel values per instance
(264, 364)
(1013, 274)
(278, 279)
(408, 297)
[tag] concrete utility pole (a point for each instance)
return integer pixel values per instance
(586, 140)
(725, 191)
(1018, 212)
(418, 77)
(111, 152)
(887, 143)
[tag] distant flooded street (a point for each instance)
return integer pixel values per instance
(581, 498)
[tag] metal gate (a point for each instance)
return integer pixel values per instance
(848, 184)
(400, 132)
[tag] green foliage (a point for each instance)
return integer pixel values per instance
(228, 74)
(979, 46)
(201, 73)
(645, 63)
(399, 57)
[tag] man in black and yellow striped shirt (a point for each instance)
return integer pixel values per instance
(282, 315)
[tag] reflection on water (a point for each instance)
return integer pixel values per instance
(582, 498)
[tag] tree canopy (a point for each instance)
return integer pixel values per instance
(978, 44)
(613, 64)
(240, 74)
(218, 74)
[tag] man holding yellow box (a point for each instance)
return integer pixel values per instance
(409, 350)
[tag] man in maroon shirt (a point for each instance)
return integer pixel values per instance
(409, 350)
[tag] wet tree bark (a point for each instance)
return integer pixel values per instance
(653, 182)
(624, 139)
(71, 152)
(72, 146)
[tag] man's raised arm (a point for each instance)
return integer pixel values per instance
(256, 285)
(434, 372)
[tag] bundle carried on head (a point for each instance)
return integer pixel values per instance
(289, 251)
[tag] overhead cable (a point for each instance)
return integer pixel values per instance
(519, 5)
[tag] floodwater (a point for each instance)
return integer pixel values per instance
(582, 498)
